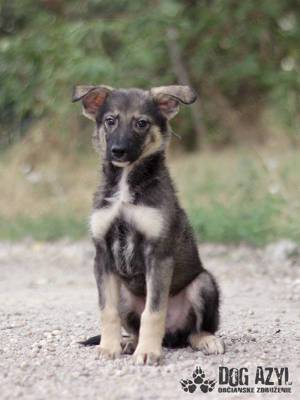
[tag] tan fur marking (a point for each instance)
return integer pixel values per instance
(110, 322)
(150, 339)
(102, 140)
(120, 164)
(154, 143)
(183, 93)
(153, 323)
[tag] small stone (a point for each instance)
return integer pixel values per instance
(47, 335)
(57, 364)
(24, 365)
(34, 353)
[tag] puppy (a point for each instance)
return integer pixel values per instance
(149, 275)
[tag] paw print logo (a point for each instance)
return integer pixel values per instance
(198, 375)
(208, 385)
(188, 385)
(198, 380)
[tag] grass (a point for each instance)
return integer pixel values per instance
(247, 222)
(242, 194)
(44, 228)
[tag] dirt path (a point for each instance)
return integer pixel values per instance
(48, 302)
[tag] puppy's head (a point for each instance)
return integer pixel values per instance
(131, 123)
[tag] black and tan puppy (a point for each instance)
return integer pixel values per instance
(149, 275)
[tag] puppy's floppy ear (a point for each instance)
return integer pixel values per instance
(168, 98)
(92, 97)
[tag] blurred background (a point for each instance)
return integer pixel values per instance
(236, 167)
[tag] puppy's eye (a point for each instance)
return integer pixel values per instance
(110, 121)
(141, 123)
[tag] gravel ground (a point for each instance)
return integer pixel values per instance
(48, 302)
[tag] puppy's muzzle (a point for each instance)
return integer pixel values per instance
(119, 153)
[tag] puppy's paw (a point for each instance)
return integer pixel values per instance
(129, 345)
(188, 385)
(212, 345)
(145, 357)
(207, 343)
(104, 353)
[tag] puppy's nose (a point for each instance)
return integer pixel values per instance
(118, 152)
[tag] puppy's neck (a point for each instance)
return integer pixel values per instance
(143, 170)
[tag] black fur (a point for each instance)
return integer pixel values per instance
(92, 341)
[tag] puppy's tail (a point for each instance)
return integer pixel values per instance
(92, 341)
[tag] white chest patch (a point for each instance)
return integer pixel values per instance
(146, 220)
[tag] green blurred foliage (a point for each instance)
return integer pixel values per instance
(250, 222)
(48, 227)
(245, 51)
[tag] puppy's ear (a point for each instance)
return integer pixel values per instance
(92, 97)
(168, 98)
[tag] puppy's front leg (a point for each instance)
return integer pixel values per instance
(152, 328)
(109, 297)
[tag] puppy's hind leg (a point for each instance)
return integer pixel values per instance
(203, 294)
